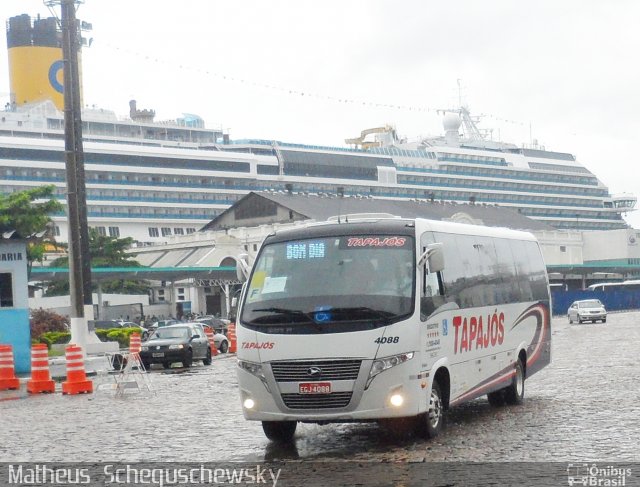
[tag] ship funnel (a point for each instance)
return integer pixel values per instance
(35, 60)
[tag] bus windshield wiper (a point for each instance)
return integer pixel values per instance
(289, 313)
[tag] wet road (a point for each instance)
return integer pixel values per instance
(585, 406)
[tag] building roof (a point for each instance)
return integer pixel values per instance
(258, 208)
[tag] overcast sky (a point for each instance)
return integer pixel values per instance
(564, 72)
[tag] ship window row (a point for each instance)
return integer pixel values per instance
(127, 160)
(387, 151)
(92, 177)
(580, 225)
(472, 159)
(135, 212)
(572, 215)
(167, 197)
(505, 174)
(490, 198)
(340, 172)
(525, 175)
(558, 167)
(130, 130)
(500, 185)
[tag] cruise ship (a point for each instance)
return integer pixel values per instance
(151, 180)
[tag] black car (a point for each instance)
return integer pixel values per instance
(176, 343)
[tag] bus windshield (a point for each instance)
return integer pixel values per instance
(321, 281)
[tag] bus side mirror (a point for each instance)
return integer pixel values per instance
(434, 256)
(242, 267)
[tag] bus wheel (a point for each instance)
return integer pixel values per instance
(496, 398)
(514, 394)
(434, 417)
(279, 431)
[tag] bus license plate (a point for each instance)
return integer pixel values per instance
(314, 387)
(158, 354)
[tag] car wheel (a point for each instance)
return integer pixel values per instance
(604, 321)
(496, 398)
(279, 431)
(514, 394)
(207, 359)
(224, 347)
(188, 359)
(569, 318)
(431, 421)
(146, 365)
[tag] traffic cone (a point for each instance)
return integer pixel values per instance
(135, 343)
(40, 381)
(212, 343)
(77, 382)
(8, 379)
(233, 341)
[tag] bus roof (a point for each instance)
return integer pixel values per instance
(371, 223)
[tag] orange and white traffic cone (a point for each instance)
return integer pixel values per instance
(8, 379)
(233, 341)
(40, 381)
(212, 343)
(135, 343)
(77, 382)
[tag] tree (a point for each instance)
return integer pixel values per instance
(105, 252)
(28, 214)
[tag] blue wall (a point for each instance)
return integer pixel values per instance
(621, 299)
(14, 330)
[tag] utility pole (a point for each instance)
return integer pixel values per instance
(79, 257)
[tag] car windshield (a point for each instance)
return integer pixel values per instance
(181, 332)
(331, 279)
(592, 303)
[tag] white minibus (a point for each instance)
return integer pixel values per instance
(389, 319)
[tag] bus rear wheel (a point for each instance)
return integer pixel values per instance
(514, 394)
(279, 431)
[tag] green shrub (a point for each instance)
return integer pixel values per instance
(53, 337)
(120, 335)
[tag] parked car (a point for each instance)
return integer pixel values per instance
(176, 343)
(163, 323)
(221, 341)
(217, 324)
(587, 310)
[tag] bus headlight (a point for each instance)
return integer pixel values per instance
(382, 364)
(254, 369)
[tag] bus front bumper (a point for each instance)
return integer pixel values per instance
(385, 397)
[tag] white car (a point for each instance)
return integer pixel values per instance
(221, 341)
(587, 310)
